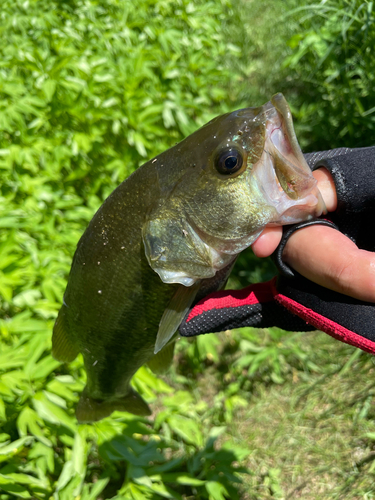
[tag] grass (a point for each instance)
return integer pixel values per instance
(263, 31)
(310, 437)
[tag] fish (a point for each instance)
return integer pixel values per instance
(168, 235)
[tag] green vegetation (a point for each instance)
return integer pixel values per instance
(88, 91)
(334, 61)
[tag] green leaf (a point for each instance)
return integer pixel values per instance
(66, 475)
(27, 298)
(79, 452)
(44, 456)
(187, 429)
(92, 492)
(8, 450)
(180, 399)
(23, 479)
(216, 491)
(3, 416)
(29, 421)
(16, 489)
(181, 478)
(44, 367)
(49, 412)
(49, 87)
(139, 476)
(148, 383)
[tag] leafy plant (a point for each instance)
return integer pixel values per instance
(331, 65)
(88, 91)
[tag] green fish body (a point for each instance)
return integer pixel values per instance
(169, 234)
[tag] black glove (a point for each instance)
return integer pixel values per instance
(289, 300)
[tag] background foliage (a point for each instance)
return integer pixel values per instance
(88, 91)
(333, 60)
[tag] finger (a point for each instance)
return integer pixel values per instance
(332, 260)
(327, 188)
(267, 242)
(270, 238)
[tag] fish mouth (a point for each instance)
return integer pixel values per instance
(291, 187)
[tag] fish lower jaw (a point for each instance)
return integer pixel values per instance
(171, 277)
(293, 211)
(302, 202)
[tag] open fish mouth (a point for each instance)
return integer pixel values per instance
(291, 187)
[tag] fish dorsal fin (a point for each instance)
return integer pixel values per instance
(162, 360)
(174, 314)
(63, 349)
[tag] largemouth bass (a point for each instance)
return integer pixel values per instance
(170, 234)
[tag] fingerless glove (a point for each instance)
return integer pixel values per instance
(291, 301)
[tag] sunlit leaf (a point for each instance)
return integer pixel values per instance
(51, 413)
(188, 429)
(216, 490)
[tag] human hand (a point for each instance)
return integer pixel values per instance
(324, 255)
(333, 287)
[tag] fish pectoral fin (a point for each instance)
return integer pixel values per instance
(174, 314)
(63, 348)
(91, 410)
(162, 360)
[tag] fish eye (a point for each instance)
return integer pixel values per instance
(229, 161)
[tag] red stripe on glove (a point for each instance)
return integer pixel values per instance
(253, 294)
(320, 322)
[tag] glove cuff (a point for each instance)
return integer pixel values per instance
(329, 311)
(252, 306)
